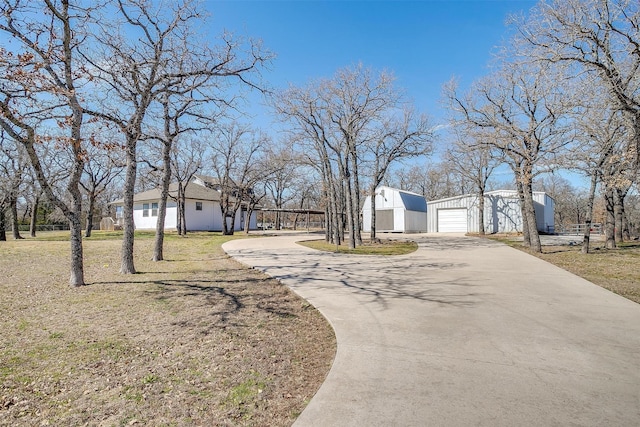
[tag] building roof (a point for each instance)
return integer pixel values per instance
(413, 202)
(193, 191)
(513, 193)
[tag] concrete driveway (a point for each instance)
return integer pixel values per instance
(462, 332)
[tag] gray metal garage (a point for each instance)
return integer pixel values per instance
(502, 213)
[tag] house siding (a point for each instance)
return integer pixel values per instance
(204, 220)
(208, 219)
(144, 222)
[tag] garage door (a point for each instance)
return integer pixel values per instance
(452, 220)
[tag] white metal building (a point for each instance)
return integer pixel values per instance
(396, 211)
(502, 213)
(202, 209)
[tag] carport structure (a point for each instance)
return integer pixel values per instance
(298, 211)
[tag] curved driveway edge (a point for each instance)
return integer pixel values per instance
(464, 331)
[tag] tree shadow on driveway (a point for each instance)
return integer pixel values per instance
(373, 279)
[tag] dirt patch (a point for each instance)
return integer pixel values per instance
(194, 340)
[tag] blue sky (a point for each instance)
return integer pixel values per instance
(424, 43)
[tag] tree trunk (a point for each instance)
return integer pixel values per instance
(589, 214)
(232, 228)
(92, 203)
(618, 212)
(278, 215)
(327, 223)
(355, 199)
(610, 221)
(183, 214)
(25, 214)
(626, 231)
(178, 218)
(224, 210)
(297, 215)
(342, 212)
(247, 218)
(34, 217)
(530, 212)
(481, 211)
(373, 214)
(127, 266)
(77, 267)
(337, 217)
(13, 205)
(3, 225)
(158, 244)
(526, 239)
(350, 213)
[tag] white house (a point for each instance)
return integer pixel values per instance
(502, 213)
(202, 208)
(396, 211)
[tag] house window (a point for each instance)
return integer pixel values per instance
(149, 209)
(198, 206)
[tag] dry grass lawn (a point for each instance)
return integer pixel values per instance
(197, 339)
(616, 270)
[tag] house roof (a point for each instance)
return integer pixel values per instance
(193, 191)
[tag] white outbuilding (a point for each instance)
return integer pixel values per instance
(502, 213)
(396, 211)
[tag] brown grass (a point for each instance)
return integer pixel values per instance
(613, 269)
(197, 339)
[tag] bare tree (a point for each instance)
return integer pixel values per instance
(13, 169)
(236, 150)
(302, 108)
(398, 137)
(178, 107)
(252, 200)
(282, 162)
(570, 205)
(104, 165)
(40, 93)
(186, 161)
(596, 36)
(341, 118)
(137, 73)
(522, 112)
(8, 153)
(475, 161)
(602, 155)
(433, 180)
